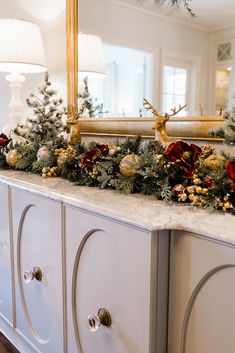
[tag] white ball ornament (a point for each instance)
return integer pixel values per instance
(43, 154)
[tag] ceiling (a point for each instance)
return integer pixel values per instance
(211, 15)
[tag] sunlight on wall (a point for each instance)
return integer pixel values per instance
(43, 10)
(128, 80)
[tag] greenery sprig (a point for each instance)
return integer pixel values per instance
(176, 3)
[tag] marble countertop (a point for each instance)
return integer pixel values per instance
(141, 211)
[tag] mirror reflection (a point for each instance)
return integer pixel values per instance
(161, 54)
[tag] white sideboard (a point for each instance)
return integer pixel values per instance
(112, 265)
(87, 262)
(202, 292)
(99, 249)
(6, 262)
(37, 242)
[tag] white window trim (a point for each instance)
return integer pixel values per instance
(173, 58)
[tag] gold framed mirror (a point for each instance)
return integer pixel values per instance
(192, 128)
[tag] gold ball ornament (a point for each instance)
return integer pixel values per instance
(129, 165)
(214, 162)
(12, 158)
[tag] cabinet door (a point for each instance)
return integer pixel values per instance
(202, 292)
(108, 266)
(5, 258)
(37, 242)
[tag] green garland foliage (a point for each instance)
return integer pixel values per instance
(28, 153)
(3, 162)
(130, 145)
(123, 184)
(37, 166)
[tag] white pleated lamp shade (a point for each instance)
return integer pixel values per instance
(91, 60)
(21, 47)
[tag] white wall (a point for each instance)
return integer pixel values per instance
(120, 24)
(50, 16)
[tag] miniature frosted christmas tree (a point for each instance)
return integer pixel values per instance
(227, 130)
(46, 124)
(88, 105)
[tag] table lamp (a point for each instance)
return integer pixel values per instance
(91, 62)
(21, 51)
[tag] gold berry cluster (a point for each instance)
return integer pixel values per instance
(223, 203)
(68, 152)
(49, 172)
(93, 174)
(196, 193)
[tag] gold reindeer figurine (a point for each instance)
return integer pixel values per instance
(161, 120)
(74, 128)
(73, 125)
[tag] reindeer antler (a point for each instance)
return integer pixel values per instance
(176, 111)
(148, 106)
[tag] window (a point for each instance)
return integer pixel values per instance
(223, 89)
(174, 87)
(128, 80)
(180, 82)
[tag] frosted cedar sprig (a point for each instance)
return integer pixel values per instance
(177, 3)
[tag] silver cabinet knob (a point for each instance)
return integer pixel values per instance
(102, 318)
(30, 275)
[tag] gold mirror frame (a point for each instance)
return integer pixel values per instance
(72, 55)
(191, 128)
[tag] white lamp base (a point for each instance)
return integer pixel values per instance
(16, 106)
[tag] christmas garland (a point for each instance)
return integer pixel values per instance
(181, 172)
